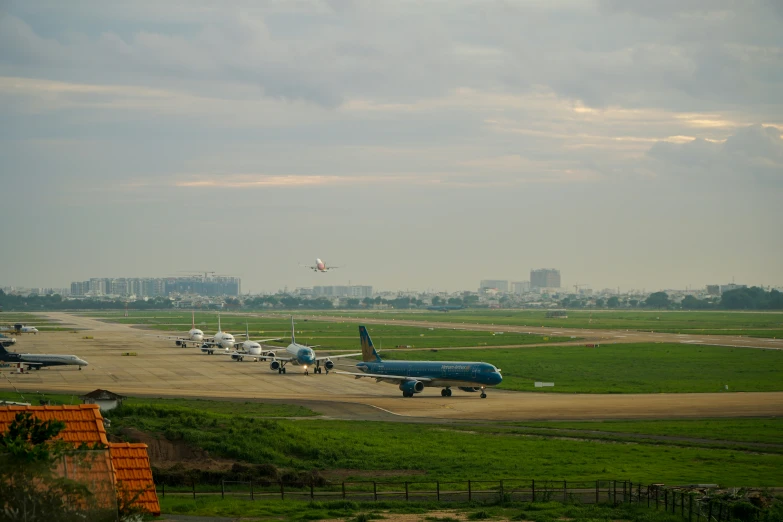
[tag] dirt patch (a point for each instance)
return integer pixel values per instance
(338, 475)
(164, 453)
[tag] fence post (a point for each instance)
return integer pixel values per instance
(657, 502)
(193, 484)
(533, 487)
(312, 494)
(690, 507)
(625, 497)
(374, 490)
(720, 511)
(282, 491)
(666, 500)
(343, 490)
(614, 495)
(565, 492)
(596, 492)
(437, 489)
(709, 515)
(639, 492)
(682, 504)
(223, 488)
(406, 490)
(470, 492)
(251, 490)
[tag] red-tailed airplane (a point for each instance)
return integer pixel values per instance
(320, 266)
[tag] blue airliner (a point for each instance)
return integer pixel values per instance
(413, 376)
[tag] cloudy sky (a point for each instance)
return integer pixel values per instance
(421, 144)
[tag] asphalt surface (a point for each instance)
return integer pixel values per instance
(160, 369)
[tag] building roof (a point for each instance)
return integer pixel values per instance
(134, 475)
(127, 465)
(102, 395)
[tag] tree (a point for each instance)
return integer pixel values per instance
(436, 301)
(455, 301)
(599, 302)
(657, 300)
(613, 302)
(470, 300)
(633, 302)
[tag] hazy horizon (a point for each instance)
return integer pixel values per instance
(418, 144)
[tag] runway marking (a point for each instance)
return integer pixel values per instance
(387, 411)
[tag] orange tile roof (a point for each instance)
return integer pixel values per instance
(133, 473)
(83, 422)
(128, 464)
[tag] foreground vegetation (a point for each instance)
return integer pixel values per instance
(626, 368)
(358, 449)
(298, 510)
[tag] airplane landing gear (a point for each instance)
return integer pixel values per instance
(483, 395)
(445, 392)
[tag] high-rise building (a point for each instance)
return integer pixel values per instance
(357, 291)
(501, 285)
(713, 289)
(520, 287)
(544, 278)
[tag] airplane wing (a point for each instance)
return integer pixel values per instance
(396, 379)
(272, 358)
(325, 357)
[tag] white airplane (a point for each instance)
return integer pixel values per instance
(320, 266)
(221, 339)
(195, 335)
(301, 355)
(252, 348)
(7, 341)
(19, 328)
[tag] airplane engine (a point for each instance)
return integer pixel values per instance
(274, 365)
(179, 343)
(269, 354)
(469, 388)
(236, 356)
(328, 365)
(411, 387)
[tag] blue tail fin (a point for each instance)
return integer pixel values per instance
(368, 350)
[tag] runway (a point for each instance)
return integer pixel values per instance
(161, 369)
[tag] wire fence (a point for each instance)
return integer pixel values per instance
(690, 504)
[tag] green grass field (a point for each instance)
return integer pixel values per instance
(765, 324)
(356, 511)
(625, 368)
(327, 335)
(41, 322)
(743, 430)
(443, 452)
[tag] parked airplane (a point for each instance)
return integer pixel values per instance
(7, 341)
(252, 348)
(35, 360)
(221, 339)
(195, 335)
(320, 266)
(301, 355)
(413, 376)
(19, 328)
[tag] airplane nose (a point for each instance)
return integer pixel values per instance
(497, 378)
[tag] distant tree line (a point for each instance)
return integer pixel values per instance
(753, 298)
(33, 303)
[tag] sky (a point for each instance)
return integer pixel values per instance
(422, 144)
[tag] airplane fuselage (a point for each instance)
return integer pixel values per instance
(441, 373)
(196, 335)
(301, 355)
(43, 359)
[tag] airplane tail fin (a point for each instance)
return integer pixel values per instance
(293, 332)
(3, 351)
(368, 350)
(247, 332)
(193, 323)
(219, 330)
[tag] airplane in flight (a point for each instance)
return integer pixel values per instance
(320, 266)
(413, 376)
(301, 355)
(37, 361)
(252, 348)
(19, 328)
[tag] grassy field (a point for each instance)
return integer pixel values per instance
(430, 512)
(40, 322)
(744, 430)
(442, 452)
(625, 368)
(766, 324)
(247, 409)
(327, 335)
